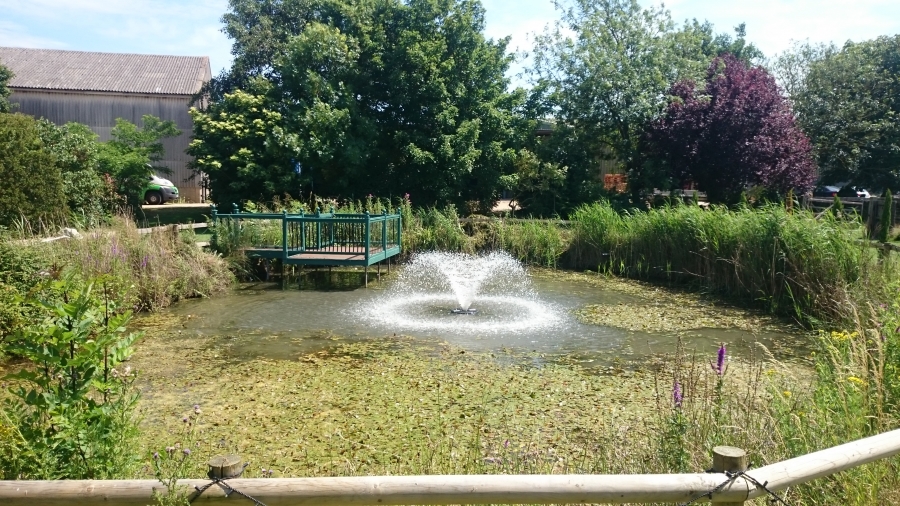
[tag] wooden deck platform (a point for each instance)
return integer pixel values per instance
(321, 239)
(341, 254)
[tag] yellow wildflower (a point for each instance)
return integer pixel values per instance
(856, 381)
(787, 393)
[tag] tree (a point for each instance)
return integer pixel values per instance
(243, 147)
(133, 153)
(5, 76)
(381, 97)
(736, 131)
(791, 67)
(848, 106)
(30, 180)
(90, 196)
(602, 73)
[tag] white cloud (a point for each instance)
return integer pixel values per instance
(14, 35)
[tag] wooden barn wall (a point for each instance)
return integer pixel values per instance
(99, 112)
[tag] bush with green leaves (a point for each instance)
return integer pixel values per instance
(21, 270)
(134, 153)
(90, 195)
(71, 412)
(31, 185)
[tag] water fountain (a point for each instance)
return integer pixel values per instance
(435, 288)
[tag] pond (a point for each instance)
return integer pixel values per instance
(581, 318)
(555, 372)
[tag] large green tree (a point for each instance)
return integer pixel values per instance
(849, 106)
(365, 96)
(602, 73)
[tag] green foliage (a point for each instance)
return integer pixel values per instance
(91, 196)
(5, 76)
(31, 184)
(22, 270)
(367, 97)
(152, 271)
(177, 461)
(887, 218)
(71, 415)
(837, 207)
(133, 152)
(243, 146)
(846, 105)
(790, 263)
(533, 242)
(603, 71)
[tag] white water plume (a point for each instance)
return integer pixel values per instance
(434, 284)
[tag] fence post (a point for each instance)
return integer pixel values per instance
(212, 213)
(731, 459)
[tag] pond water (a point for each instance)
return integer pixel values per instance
(534, 314)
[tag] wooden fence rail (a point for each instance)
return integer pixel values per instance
(471, 489)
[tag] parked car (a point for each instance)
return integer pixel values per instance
(158, 191)
(826, 191)
(853, 191)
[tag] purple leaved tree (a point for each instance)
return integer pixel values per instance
(735, 131)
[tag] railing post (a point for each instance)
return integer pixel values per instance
(284, 237)
(384, 223)
(400, 228)
(731, 459)
(318, 230)
(212, 213)
(235, 209)
(367, 237)
(302, 230)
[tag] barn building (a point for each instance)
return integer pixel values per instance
(96, 88)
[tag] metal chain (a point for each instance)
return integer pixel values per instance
(229, 489)
(731, 477)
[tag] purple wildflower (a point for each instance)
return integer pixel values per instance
(677, 395)
(719, 366)
(505, 443)
(155, 455)
(186, 451)
(185, 419)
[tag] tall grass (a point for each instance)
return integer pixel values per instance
(789, 262)
(775, 413)
(152, 270)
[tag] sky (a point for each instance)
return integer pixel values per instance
(193, 27)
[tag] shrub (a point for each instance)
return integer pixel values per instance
(71, 412)
(31, 184)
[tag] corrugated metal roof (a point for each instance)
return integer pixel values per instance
(115, 72)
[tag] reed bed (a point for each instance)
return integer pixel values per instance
(787, 261)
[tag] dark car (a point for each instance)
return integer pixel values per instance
(826, 191)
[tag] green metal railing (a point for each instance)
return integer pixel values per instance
(325, 238)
